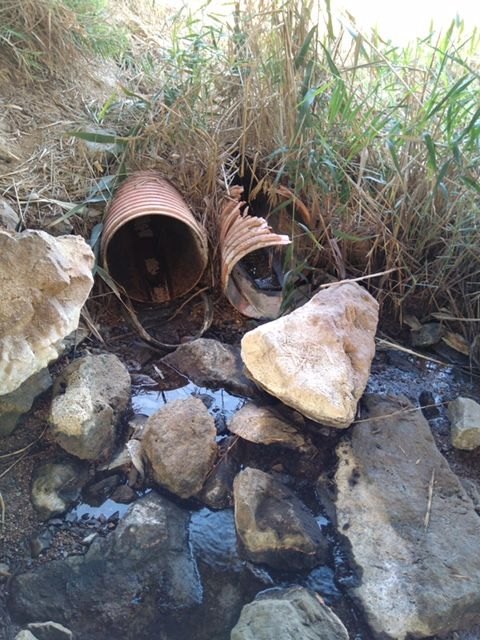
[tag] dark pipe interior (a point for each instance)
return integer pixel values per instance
(155, 258)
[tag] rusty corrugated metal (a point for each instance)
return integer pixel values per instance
(240, 235)
(152, 245)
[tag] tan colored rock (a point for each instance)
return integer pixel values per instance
(317, 359)
(44, 282)
(179, 445)
(261, 425)
(273, 524)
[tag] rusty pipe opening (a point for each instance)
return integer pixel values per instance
(152, 245)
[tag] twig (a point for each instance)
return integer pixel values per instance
(426, 520)
(360, 278)
(18, 451)
(2, 510)
(394, 345)
(4, 473)
(400, 412)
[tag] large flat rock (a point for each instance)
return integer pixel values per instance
(413, 530)
(317, 359)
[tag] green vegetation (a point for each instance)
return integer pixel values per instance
(41, 36)
(381, 143)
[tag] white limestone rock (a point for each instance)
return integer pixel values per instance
(89, 398)
(317, 359)
(44, 283)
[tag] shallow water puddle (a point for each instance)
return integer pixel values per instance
(106, 509)
(220, 403)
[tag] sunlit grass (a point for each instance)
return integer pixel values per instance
(380, 142)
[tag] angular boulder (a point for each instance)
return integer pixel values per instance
(317, 359)
(88, 399)
(413, 530)
(274, 526)
(44, 283)
(288, 614)
(179, 445)
(135, 583)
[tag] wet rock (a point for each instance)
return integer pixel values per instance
(317, 359)
(50, 631)
(137, 582)
(44, 282)
(96, 494)
(217, 491)
(8, 217)
(19, 402)
(124, 494)
(228, 581)
(427, 335)
(262, 426)
(209, 363)
(413, 531)
(56, 486)
(464, 415)
(89, 397)
(288, 614)
(274, 526)
(179, 445)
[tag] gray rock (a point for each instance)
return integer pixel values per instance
(124, 494)
(89, 397)
(427, 335)
(179, 445)
(95, 494)
(50, 631)
(137, 582)
(209, 363)
(40, 542)
(228, 581)
(274, 526)
(288, 614)
(217, 491)
(317, 358)
(464, 415)
(8, 217)
(262, 426)
(19, 402)
(44, 282)
(413, 531)
(56, 486)
(25, 635)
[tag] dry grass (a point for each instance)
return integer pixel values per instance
(380, 143)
